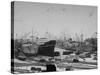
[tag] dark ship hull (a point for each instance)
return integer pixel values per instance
(46, 49)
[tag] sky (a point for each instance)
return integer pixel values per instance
(57, 19)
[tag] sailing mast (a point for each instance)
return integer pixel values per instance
(33, 41)
(32, 36)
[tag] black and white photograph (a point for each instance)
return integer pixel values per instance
(50, 37)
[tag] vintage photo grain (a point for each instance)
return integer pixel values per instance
(47, 37)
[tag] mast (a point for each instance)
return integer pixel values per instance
(32, 36)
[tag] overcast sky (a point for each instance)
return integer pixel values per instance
(55, 18)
